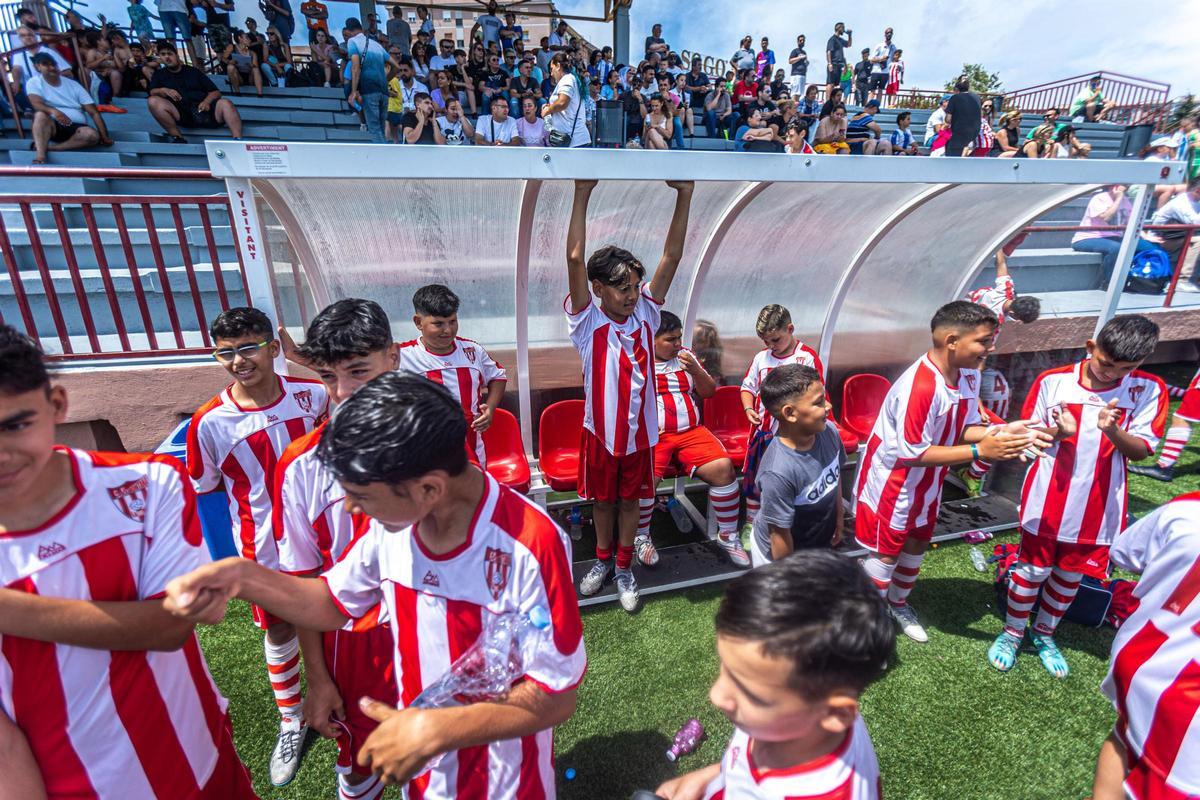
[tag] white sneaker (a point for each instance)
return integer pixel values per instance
(627, 590)
(644, 548)
(732, 546)
(289, 747)
(910, 626)
(595, 578)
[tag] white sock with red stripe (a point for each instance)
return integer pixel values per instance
(752, 506)
(283, 668)
(1024, 583)
(645, 514)
(1176, 392)
(903, 577)
(1057, 595)
(725, 502)
(880, 573)
(369, 789)
(1177, 438)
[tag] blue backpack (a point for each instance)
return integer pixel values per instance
(1150, 272)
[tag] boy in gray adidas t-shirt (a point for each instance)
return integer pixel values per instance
(799, 476)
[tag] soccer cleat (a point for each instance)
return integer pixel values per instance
(644, 548)
(974, 485)
(1164, 474)
(595, 578)
(746, 534)
(1003, 653)
(910, 626)
(627, 590)
(1051, 657)
(732, 546)
(289, 747)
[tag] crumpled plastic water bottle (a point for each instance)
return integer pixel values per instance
(686, 739)
(978, 559)
(679, 514)
(487, 669)
(575, 522)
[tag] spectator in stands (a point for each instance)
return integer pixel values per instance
(543, 54)
(530, 127)
(442, 92)
(895, 77)
(719, 114)
(744, 57)
(862, 77)
(444, 58)
(655, 43)
(279, 14)
(865, 131)
(23, 67)
(564, 112)
(604, 65)
(316, 18)
(1090, 103)
(242, 65)
(497, 129)
(368, 78)
(795, 138)
(935, 125)
(902, 140)
(279, 58)
(510, 32)
(425, 24)
(61, 108)
(835, 99)
(180, 94)
(403, 90)
(658, 128)
(523, 86)
(219, 28)
(881, 59)
(323, 54)
(460, 80)
(683, 106)
(799, 61)
(399, 32)
(418, 125)
(745, 92)
(493, 82)
(420, 62)
(590, 107)
(808, 108)
(139, 69)
(830, 138)
(835, 56)
(1184, 209)
(1009, 143)
(757, 136)
(1062, 147)
(612, 89)
(764, 62)
(963, 116)
(698, 85)
(779, 87)
(633, 103)
(139, 22)
(1108, 207)
(560, 40)
(453, 128)
(1189, 144)
(173, 14)
(762, 102)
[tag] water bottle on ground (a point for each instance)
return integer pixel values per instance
(978, 559)
(975, 537)
(575, 524)
(686, 739)
(679, 514)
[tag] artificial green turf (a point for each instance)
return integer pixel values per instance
(945, 724)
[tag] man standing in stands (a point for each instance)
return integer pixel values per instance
(964, 115)
(368, 77)
(316, 16)
(881, 59)
(835, 56)
(399, 33)
(60, 105)
(799, 61)
(180, 94)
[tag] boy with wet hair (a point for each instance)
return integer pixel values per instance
(614, 334)
(774, 326)
(930, 421)
(234, 443)
(800, 475)
(799, 641)
(103, 693)
(348, 344)
(461, 365)
(446, 545)
(1102, 412)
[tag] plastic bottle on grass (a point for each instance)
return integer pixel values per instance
(686, 739)
(679, 514)
(978, 559)
(975, 537)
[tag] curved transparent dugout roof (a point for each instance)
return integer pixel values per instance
(862, 250)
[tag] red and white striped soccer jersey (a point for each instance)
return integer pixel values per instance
(995, 393)
(994, 297)
(1154, 675)
(920, 411)
(241, 447)
(1077, 492)
(514, 558)
(678, 411)
(1189, 408)
(618, 374)
(765, 361)
(133, 724)
(851, 772)
(466, 372)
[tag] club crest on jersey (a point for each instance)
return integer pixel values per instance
(970, 381)
(469, 352)
(1135, 392)
(304, 400)
(498, 564)
(130, 498)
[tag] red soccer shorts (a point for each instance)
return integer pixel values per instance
(360, 663)
(689, 451)
(1046, 551)
(264, 619)
(605, 478)
(883, 539)
(1189, 409)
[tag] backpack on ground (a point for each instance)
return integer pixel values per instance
(1150, 272)
(1095, 603)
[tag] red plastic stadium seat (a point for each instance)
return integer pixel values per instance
(506, 460)
(723, 415)
(849, 440)
(862, 397)
(559, 431)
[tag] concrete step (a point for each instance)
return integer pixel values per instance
(143, 253)
(222, 82)
(95, 157)
(1037, 270)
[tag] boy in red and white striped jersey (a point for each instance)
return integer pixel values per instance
(680, 383)
(1102, 411)
(461, 365)
(235, 441)
(614, 335)
(446, 546)
(1154, 674)
(1187, 415)
(774, 326)
(799, 640)
(929, 423)
(109, 693)
(347, 344)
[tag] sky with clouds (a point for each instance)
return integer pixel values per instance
(1027, 43)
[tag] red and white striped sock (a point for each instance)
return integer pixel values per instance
(977, 469)
(1057, 595)
(903, 577)
(283, 668)
(1024, 583)
(752, 506)
(880, 573)
(725, 501)
(369, 789)
(1176, 392)
(1177, 438)
(645, 514)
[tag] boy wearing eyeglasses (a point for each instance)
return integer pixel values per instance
(235, 441)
